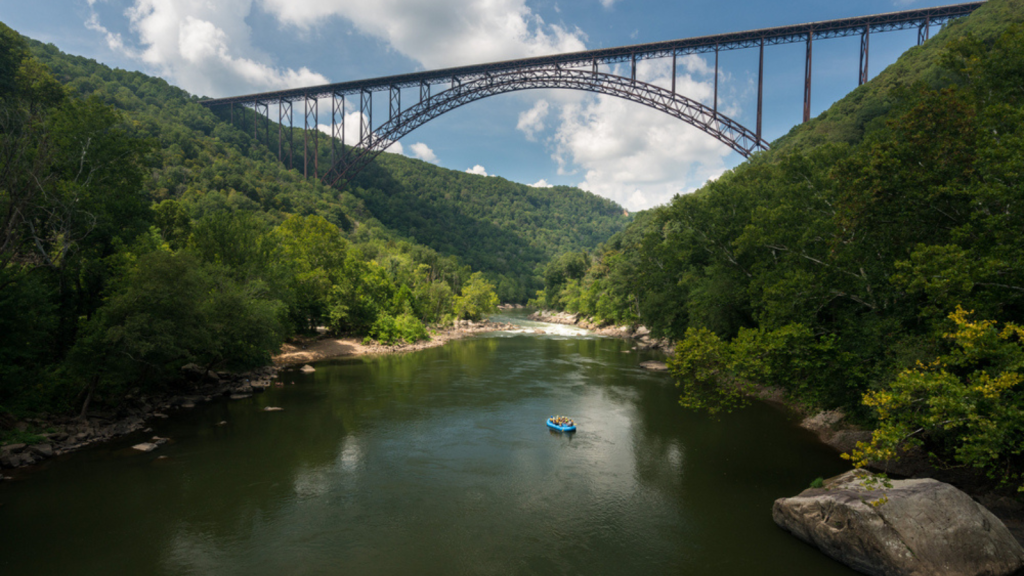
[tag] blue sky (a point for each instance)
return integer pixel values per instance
(623, 151)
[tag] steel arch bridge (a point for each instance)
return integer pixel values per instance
(674, 104)
(573, 71)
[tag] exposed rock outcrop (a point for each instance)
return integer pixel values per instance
(917, 527)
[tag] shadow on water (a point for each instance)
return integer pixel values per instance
(436, 462)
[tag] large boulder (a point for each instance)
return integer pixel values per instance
(913, 528)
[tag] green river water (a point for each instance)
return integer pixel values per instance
(434, 462)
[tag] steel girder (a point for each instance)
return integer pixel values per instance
(337, 129)
(694, 113)
(906, 20)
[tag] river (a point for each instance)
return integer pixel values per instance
(434, 462)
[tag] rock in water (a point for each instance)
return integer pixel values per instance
(307, 369)
(145, 447)
(921, 528)
(654, 365)
(273, 409)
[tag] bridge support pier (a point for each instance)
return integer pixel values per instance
(266, 122)
(284, 109)
(394, 102)
(865, 41)
(760, 89)
(923, 31)
(291, 135)
(715, 107)
(316, 138)
(673, 71)
(807, 78)
(312, 111)
(337, 130)
(365, 115)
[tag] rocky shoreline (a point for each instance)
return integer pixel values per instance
(305, 350)
(642, 336)
(70, 433)
(64, 434)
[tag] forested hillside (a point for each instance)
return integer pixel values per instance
(493, 224)
(504, 229)
(140, 233)
(873, 260)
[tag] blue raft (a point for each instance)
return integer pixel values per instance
(560, 428)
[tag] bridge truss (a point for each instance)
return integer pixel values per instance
(575, 71)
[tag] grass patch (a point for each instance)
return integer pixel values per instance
(19, 437)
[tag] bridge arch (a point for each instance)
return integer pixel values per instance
(707, 119)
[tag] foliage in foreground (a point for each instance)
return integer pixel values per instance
(968, 403)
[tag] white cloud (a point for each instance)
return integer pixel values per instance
(201, 46)
(607, 3)
(532, 121)
(351, 123)
(114, 41)
(542, 183)
(423, 152)
(478, 170)
(351, 127)
(636, 155)
(440, 33)
(694, 64)
(621, 150)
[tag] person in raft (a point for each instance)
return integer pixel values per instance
(562, 421)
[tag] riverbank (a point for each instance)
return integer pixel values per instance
(642, 336)
(54, 435)
(305, 350)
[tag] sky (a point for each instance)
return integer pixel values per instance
(624, 151)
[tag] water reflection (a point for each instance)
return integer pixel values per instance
(437, 462)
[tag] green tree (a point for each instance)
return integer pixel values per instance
(171, 310)
(314, 252)
(968, 403)
(362, 295)
(477, 299)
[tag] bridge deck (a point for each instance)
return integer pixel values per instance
(907, 19)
